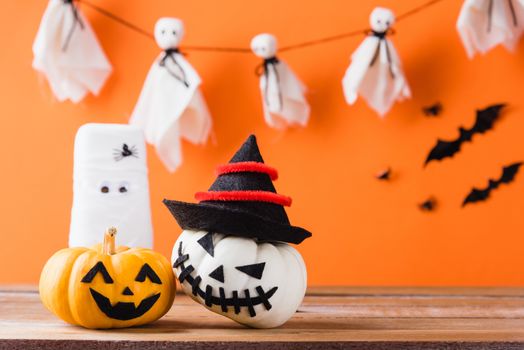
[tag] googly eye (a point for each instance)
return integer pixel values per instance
(123, 187)
(105, 187)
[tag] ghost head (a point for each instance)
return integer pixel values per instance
(381, 19)
(169, 32)
(264, 45)
(110, 186)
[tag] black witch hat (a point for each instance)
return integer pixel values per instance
(242, 202)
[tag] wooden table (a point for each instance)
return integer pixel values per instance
(330, 318)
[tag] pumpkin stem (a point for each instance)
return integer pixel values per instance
(109, 241)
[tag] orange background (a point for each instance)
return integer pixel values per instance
(366, 232)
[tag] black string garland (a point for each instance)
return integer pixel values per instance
(301, 45)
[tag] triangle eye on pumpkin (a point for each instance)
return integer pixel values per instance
(254, 270)
(98, 268)
(206, 242)
(147, 271)
(218, 274)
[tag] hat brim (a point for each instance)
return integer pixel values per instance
(208, 217)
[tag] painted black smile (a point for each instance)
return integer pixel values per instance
(123, 311)
(210, 300)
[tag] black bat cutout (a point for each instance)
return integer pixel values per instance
(508, 175)
(433, 110)
(428, 205)
(485, 119)
(384, 174)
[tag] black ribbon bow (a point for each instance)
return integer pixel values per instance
(511, 9)
(76, 20)
(263, 69)
(171, 54)
(382, 39)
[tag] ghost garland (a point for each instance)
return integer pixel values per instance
(233, 256)
(67, 52)
(484, 24)
(171, 106)
(283, 98)
(375, 72)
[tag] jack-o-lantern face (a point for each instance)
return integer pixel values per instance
(256, 284)
(123, 310)
(96, 289)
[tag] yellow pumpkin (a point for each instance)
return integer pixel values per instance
(107, 287)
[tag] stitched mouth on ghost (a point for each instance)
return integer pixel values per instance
(210, 300)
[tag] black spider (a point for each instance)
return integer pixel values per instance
(126, 151)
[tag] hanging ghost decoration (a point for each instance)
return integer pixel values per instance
(67, 52)
(110, 186)
(283, 98)
(375, 72)
(233, 256)
(484, 24)
(171, 106)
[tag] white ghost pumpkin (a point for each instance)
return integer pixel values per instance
(258, 284)
(375, 72)
(171, 106)
(232, 256)
(484, 24)
(283, 98)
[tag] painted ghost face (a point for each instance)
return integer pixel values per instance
(257, 284)
(381, 19)
(264, 45)
(110, 186)
(168, 32)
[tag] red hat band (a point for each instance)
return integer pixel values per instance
(249, 195)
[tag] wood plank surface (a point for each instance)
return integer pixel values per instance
(330, 317)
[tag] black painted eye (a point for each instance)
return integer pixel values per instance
(163, 31)
(98, 268)
(174, 32)
(206, 242)
(218, 274)
(147, 271)
(122, 189)
(254, 270)
(379, 21)
(104, 189)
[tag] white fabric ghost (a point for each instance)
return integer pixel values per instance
(171, 106)
(375, 72)
(484, 24)
(67, 52)
(110, 186)
(283, 98)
